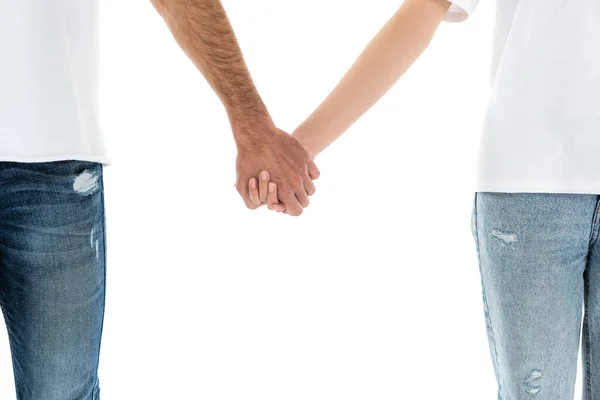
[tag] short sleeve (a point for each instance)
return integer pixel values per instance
(460, 10)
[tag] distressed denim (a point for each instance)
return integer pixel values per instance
(52, 276)
(539, 262)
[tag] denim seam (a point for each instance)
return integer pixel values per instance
(586, 337)
(103, 221)
(95, 390)
(586, 323)
(595, 225)
(485, 304)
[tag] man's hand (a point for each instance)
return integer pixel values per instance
(262, 146)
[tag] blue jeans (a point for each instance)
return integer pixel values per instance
(539, 261)
(52, 276)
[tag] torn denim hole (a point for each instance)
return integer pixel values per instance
(532, 382)
(504, 237)
(85, 183)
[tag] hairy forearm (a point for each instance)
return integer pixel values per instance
(387, 57)
(203, 31)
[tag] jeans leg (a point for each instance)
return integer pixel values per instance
(52, 276)
(532, 250)
(590, 336)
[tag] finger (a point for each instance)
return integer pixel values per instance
(272, 200)
(302, 197)
(263, 183)
(254, 192)
(309, 186)
(243, 190)
(313, 171)
(290, 202)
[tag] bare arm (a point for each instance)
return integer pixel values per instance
(393, 50)
(203, 31)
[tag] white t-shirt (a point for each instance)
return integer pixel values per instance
(541, 131)
(49, 81)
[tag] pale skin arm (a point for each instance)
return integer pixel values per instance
(202, 30)
(385, 59)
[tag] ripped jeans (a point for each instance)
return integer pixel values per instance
(539, 261)
(52, 276)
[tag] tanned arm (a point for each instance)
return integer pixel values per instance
(204, 33)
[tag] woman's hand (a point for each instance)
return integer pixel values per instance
(263, 191)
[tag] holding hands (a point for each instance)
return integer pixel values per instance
(273, 168)
(262, 191)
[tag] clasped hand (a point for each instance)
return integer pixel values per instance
(275, 169)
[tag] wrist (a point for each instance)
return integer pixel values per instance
(307, 140)
(250, 125)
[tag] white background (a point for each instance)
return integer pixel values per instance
(373, 293)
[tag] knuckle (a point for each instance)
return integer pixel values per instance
(294, 181)
(283, 192)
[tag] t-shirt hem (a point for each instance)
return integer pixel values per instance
(459, 10)
(104, 160)
(536, 186)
